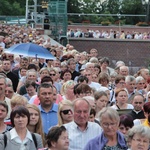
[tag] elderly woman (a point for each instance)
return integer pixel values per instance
(65, 112)
(110, 138)
(19, 136)
(57, 139)
(139, 138)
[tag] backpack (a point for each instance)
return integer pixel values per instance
(33, 136)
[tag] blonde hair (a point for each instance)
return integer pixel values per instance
(18, 100)
(60, 106)
(66, 86)
(38, 126)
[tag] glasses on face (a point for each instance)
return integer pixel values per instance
(65, 112)
(121, 83)
(52, 74)
(141, 141)
(106, 125)
(137, 102)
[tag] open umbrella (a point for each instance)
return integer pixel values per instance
(31, 50)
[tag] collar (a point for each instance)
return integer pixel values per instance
(14, 134)
(137, 112)
(53, 109)
(76, 126)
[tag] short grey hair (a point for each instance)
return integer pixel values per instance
(138, 79)
(139, 129)
(110, 112)
(93, 60)
(129, 78)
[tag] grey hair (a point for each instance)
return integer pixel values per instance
(2, 77)
(139, 129)
(120, 63)
(138, 79)
(110, 112)
(88, 63)
(93, 60)
(129, 78)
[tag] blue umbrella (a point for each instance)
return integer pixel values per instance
(31, 50)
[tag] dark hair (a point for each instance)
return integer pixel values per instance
(32, 66)
(118, 78)
(93, 112)
(21, 111)
(4, 105)
(46, 79)
(104, 59)
(146, 107)
(65, 71)
(54, 134)
(126, 120)
(83, 88)
(103, 76)
(44, 85)
(29, 83)
(82, 78)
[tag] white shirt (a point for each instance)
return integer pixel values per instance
(14, 136)
(129, 106)
(77, 138)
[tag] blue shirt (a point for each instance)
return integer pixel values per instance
(49, 119)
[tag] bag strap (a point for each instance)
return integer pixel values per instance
(5, 140)
(34, 139)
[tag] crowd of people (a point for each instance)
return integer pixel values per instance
(108, 34)
(75, 102)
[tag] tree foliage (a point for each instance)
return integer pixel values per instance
(17, 8)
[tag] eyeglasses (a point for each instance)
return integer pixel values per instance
(141, 141)
(52, 74)
(65, 112)
(106, 125)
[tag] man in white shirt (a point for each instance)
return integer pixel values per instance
(80, 130)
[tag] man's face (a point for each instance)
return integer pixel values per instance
(72, 65)
(130, 86)
(6, 65)
(81, 112)
(46, 96)
(24, 63)
(138, 103)
(124, 71)
(93, 53)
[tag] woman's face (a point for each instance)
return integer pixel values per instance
(20, 122)
(140, 85)
(145, 74)
(66, 113)
(67, 76)
(63, 141)
(44, 73)
(110, 126)
(54, 94)
(123, 129)
(104, 65)
(69, 90)
(122, 97)
(34, 116)
(139, 142)
(3, 112)
(101, 102)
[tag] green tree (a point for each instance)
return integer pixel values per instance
(132, 7)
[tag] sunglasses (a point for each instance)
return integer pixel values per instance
(52, 74)
(65, 112)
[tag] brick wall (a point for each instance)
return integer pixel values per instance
(135, 53)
